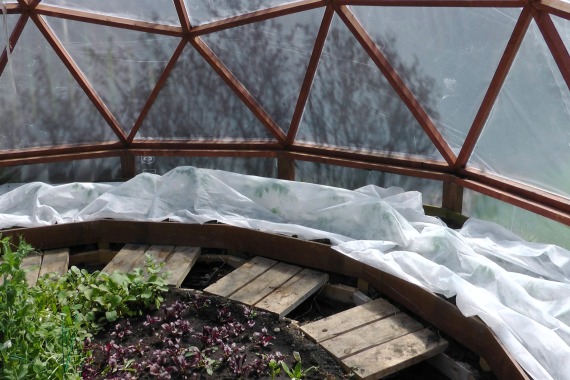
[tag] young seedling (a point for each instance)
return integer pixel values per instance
(297, 372)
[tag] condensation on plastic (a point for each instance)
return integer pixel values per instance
(351, 178)
(57, 111)
(453, 51)
(159, 11)
(258, 166)
(91, 170)
(527, 138)
(122, 65)
(526, 224)
(563, 27)
(520, 290)
(352, 105)
(195, 103)
(203, 12)
(270, 58)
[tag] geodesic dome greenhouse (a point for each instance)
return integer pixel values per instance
(244, 112)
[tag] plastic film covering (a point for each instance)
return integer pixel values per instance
(270, 58)
(352, 105)
(454, 51)
(195, 103)
(203, 12)
(526, 224)
(122, 65)
(41, 103)
(350, 178)
(526, 137)
(159, 11)
(521, 290)
(7, 23)
(92, 170)
(258, 166)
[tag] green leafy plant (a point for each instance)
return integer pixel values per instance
(42, 328)
(274, 368)
(297, 372)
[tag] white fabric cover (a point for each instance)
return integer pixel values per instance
(520, 289)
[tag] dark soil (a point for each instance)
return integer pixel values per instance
(159, 347)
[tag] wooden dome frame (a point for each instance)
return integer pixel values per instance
(453, 171)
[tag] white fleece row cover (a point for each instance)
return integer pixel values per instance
(520, 289)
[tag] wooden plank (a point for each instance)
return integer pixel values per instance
(395, 355)
(31, 265)
(350, 319)
(228, 285)
(55, 261)
(291, 294)
(371, 335)
(265, 284)
(159, 252)
(124, 260)
(180, 263)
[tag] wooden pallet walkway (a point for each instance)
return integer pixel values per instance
(269, 285)
(178, 261)
(51, 261)
(375, 339)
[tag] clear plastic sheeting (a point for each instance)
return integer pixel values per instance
(351, 178)
(122, 65)
(524, 223)
(521, 290)
(203, 12)
(270, 58)
(258, 166)
(526, 137)
(41, 103)
(195, 103)
(159, 11)
(454, 51)
(351, 104)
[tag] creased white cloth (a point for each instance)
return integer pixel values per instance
(520, 289)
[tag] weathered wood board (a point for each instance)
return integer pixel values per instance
(397, 354)
(55, 261)
(234, 281)
(178, 261)
(179, 264)
(125, 260)
(265, 284)
(349, 319)
(32, 265)
(370, 335)
(270, 285)
(291, 294)
(375, 339)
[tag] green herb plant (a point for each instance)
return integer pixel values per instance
(42, 328)
(297, 372)
(274, 368)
